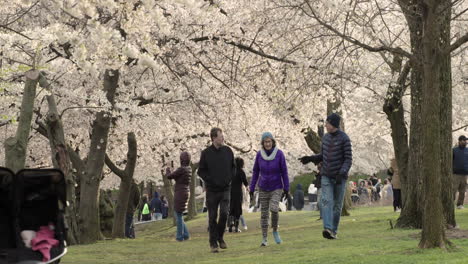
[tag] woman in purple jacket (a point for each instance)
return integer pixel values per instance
(271, 173)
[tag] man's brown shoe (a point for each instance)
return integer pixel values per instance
(214, 250)
(222, 244)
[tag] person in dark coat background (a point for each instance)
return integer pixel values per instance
(131, 206)
(165, 207)
(181, 193)
(460, 170)
(298, 199)
(235, 209)
(156, 207)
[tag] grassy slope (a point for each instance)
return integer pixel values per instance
(365, 237)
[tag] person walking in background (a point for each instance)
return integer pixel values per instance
(145, 211)
(318, 183)
(245, 206)
(133, 202)
(460, 171)
(396, 185)
(271, 173)
(298, 199)
(336, 157)
(165, 207)
(216, 168)
(181, 193)
(156, 207)
(235, 209)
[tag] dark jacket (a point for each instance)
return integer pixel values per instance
(156, 204)
(216, 168)
(460, 160)
(336, 155)
(298, 199)
(134, 199)
(182, 187)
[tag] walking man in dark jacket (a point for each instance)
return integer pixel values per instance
(133, 202)
(336, 158)
(460, 170)
(156, 207)
(216, 168)
(298, 200)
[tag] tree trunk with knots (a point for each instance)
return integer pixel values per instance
(126, 177)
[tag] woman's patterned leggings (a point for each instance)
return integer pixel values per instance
(269, 202)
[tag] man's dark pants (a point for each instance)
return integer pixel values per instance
(128, 226)
(215, 200)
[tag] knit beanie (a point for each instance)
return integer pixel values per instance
(334, 120)
(267, 135)
(184, 158)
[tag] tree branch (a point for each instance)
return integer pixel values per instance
(245, 47)
(460, 128)
(17, 32)
(114, 168)
(458, 43)
(354, 41)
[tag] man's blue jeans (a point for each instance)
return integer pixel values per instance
(332, 202)
(182, 231)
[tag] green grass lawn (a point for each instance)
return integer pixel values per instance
(364, 237)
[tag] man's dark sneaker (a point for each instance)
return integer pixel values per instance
(327, 234)
(222, 244)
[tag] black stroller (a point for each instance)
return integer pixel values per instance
(29, 200)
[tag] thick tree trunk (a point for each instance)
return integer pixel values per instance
(89, 194)
(61, 160)
(446, 120)
(170, 196)
(90, 180)
(313, 140)
(433, 233)
(393, 108)
(16, 147)
(192, 205)
(126, 176)
(411, 183)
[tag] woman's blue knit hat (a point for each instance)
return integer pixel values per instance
(267, 135)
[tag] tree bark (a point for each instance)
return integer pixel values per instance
(433, 233)
(411, 183)
(89, 194)
(446, 120)
(126, 176)
(61, 160)
(16, 147)
(170, 196)
(313, 139)
(393, 108)
(90, 180)
(192, 205)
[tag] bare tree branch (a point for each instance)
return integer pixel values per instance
(114, 168)
(354, 41)
(15, 31)
(458, 43)
(460, 128)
